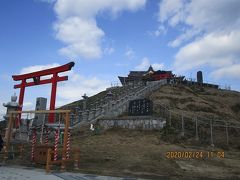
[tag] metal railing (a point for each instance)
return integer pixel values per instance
(206, 130)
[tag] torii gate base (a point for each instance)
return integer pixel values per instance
(36, 80)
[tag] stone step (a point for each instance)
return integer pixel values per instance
(120, 105)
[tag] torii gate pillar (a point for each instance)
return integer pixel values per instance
(36, 80)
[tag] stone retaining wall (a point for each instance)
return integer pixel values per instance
(144, 124)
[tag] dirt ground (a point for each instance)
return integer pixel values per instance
(121, 152)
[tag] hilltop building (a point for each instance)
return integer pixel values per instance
(140, 77)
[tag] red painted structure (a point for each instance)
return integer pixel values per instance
(158, 75)
(36, 80)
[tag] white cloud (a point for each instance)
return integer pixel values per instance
(109, 51)
(68, 8)
(77, 28)
(3, 111)
(170, 10)
(158, 66)
(78, 84)
(184, 37)
(211, 31)
(130, 54)
(204, 15)
(215, 50)
(199, 17)
(161, 30)
(144, 65)
(34, 68)
(82, 37)
(214, 15)
(28, 106)
(229, 72)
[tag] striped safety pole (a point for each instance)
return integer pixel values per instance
(56, 145)
(56, 141)
(46, 136)
(34, 140)
(68, 145)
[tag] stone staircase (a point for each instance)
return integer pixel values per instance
(115, 105)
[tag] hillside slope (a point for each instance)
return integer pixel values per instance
(192, 101)
(204, 102)
(137, 153)
(134, 153)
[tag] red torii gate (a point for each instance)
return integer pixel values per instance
(36, 76)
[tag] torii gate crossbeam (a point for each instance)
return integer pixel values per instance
(36, 80)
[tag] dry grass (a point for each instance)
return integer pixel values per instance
(210, 102)
(121, 152)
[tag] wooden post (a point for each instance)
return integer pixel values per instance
(67, 119)
(48, 163)
(196, 121)
(76, 160)
(226, 125)
(211, 128)
(21, 151)
(182, 133)
(56, 141)
(34, 141)
(170, 118)
(68, 145)
(165, 111)
(63, 164)
(8, 136)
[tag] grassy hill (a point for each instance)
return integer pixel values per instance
(137, 153)
(121, 152)
(205, 102)
(192, 101)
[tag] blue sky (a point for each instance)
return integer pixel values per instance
(107, 38)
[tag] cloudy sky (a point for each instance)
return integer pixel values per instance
(107, 38)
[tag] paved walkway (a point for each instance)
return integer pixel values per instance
(78, 176)
(26, 173)
(20, 173)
